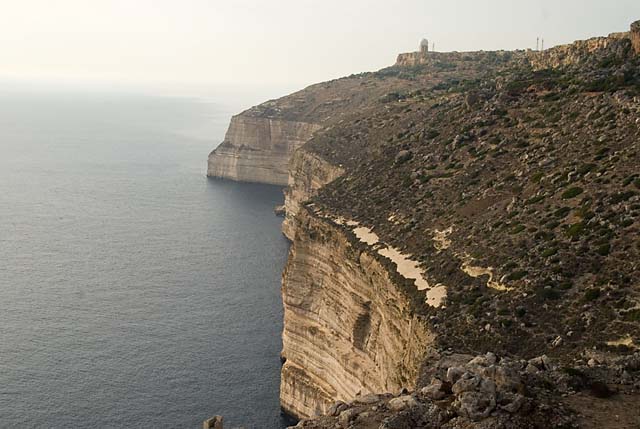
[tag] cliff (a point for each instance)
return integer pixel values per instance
(615, 47)
(463, 204)
(445, 59)
(348, 329)
(260, 141)
(308, 172)
(257, 149)
(635, 36)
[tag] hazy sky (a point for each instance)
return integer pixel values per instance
(275, 42)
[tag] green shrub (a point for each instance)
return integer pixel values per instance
(517, 275)
(575, 230)
(586, 168)
(565, 286)
(604, 249)
(509, 266)
(432, 134)
(536, 199)
(572, 193)
(517, 229)
(621, 196)
(545, 293)
(537, 177)
(626, 222)
(592, 294)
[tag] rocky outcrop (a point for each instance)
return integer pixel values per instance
(348, 329)
(257, 149)
(464, 392)
(593, 50)
(308, 172)
(597, 50)
(216, 422)
(635, 36)
(487, 391)
(452, 169)
(443, 59)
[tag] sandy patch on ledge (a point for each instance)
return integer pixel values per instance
(475, 271)
(405, 266)
(365, 235)
(626, 341)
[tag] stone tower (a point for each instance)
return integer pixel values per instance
(424, 46)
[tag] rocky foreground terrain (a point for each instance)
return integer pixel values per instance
(465, 239)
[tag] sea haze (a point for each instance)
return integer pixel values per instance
(133, 290)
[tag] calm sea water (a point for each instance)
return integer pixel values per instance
(133, 290)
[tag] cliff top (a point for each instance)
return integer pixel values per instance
(529, 167)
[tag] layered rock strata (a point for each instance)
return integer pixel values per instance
(348, 329)
(421, 58)
(635, 36)
(459, 164)
(308, 172)
(257, 149)
(581, 51)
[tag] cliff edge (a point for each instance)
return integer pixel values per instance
(465, 242)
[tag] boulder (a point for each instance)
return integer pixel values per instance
(402, 403)
(435, 390)
(454, 373)
(403, 156)
(468, 382)
(346, 416)
(215, 422)
(476, 405)
(337, 408)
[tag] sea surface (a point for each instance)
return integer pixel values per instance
(134, 291)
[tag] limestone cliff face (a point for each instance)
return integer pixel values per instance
(347, 328)
(635, 36)
(308, 172)
(257, 149)
(581, 51)
(412, 59)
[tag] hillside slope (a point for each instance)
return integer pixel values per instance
(501, 191)
(465, 239)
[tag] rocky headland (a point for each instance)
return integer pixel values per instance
(465, 238)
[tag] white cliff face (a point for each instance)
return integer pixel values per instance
(308, 172)
(348, 329)
(257, 149)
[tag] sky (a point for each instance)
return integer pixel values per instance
(292, 43)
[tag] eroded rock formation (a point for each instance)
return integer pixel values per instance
(509, 177)
(308, 172)
(635, 36)
(257, 149)
(348, 329)
(614, 47)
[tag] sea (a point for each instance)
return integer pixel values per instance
(134, 291)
